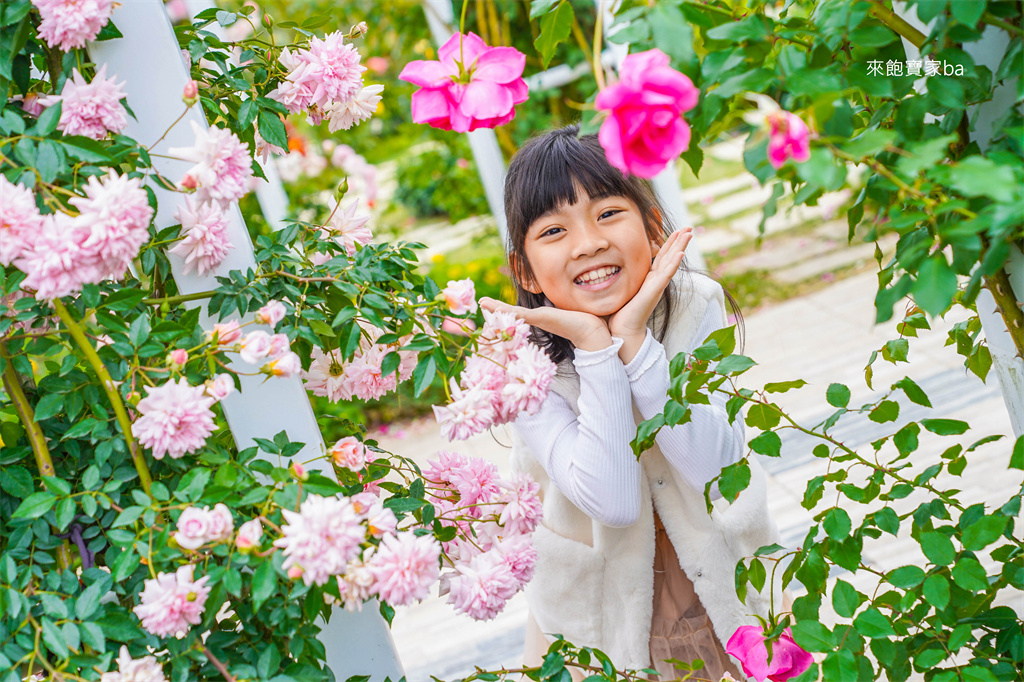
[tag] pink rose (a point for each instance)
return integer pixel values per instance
(249, 535)
(789, 138)
(192, 528)
(222, 526)
(190, 93)
(271, 313)
(460, 296)
(298, 471)
(645, 130)
(287, 366)
(256, 347)
(349, 453)
(220, 387)
(479, 92)
(177, 357)
(454, 325)
(788, 659)
(227, 333)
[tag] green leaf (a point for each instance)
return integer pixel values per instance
(734, 479)
(269, 660)
(913, 391)
(935, 286)
(125, 564)
(845, 599)
(554, 29)
(936, 591)
(945, 427)
(977, 175)
(272, 128)
(1017, 457)
(813, 636)
(85, 149)
(938, 548)
(49, 405)
(983, 532)
(838, 395)
(762, 416)
(423, 374)
(887, 520)
(673, 35)
(768, 443)
(906, 438)
(128, 516)
(89, 601)
(734, 365)
(35, 505)
(840, 666)
(16, 481)
(54, 638)
(906, 577)
(872, 624)
(263, 584)
(837, 523)
(885, 411)
(539, 7)
(969, 574)
(783, 386)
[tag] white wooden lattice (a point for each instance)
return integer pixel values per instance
(150, 63)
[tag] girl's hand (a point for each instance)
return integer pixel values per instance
(630, 322)
(585, 331)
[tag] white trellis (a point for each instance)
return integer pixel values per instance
(149, 61)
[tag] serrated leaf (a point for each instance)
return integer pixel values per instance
(554, 29)
(35, 505)
(837, 395)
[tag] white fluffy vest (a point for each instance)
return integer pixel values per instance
(595, 584)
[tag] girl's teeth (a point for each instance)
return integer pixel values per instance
(597, 276)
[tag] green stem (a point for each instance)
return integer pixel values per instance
(180, 298)
(992, 20)
(897, 24)
(598, 45)
(108, 387)
(36, 439)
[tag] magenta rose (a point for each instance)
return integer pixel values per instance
(788, 659)
(645, 129)
(470, 86)
(788, 138)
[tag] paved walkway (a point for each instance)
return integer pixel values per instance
(822, 337)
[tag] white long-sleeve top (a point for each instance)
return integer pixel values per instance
(588, 457)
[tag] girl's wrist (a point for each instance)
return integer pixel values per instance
(596, 339)
(631, 344)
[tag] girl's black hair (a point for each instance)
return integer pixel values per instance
(549, 172)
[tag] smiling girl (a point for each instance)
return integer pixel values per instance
(629, 559)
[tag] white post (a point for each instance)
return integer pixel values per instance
(149, 61)
(1007, 366)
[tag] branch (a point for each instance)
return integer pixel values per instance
(218, 665)
(108, 387)
(897, 24)
(180, 298)
(1008, 306)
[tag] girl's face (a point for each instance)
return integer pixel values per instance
(591, 256)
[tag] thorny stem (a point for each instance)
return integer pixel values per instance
(108, 387)
(12, 385)
(153, 146)
(221, 668)
(1008, 306)
(897, 24)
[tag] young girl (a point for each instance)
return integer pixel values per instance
(629, 560)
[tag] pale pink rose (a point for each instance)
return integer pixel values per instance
(222, 525)
(172, 603)
(249, 535)
(92, 109)
(460, 295)
(519, 555)
(481, 587)
(477, 483)
(193, 528)
(174, 419)
(295, 572)
(190, 93)
(462, 163)
(287, 365)
(32, 103)
(481, 94)
(298, 470)
(280, 345)
(377, 64)
(226, 332)
(112, 223)
(382, 521)
(177, 357)
(644, 129)
(68, 24)
(356, 585)
(219, 387)
(470, 412)
(264, 149)
(177, 10)
(145, 669)
(343, 115)
(326, 375)
(223, 167)
(789, 138)
(54, 262)
(346, 228)
(204, 230)
(404, 567)
(364, 503)
(523, 509)
(485, 374)
(364, 377)
(445, 467)
(321, 538)
(327, 72)
(502, 335)
(256, 347)
(20, 220)
(341, 154)
(349, 453)
(748, 647)
(529, 376)
(272, 313)
(458, 326)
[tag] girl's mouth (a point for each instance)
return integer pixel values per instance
(598, 278)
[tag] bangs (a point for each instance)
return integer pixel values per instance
(561, 166)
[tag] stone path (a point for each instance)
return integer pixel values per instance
(822, 337)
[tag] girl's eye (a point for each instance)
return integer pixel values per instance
(550, 231)
(608, 213)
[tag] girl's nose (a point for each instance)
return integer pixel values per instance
(589, 241)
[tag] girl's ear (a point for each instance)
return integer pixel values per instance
(521, 274)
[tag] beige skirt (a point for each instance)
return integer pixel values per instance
(680, 627)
